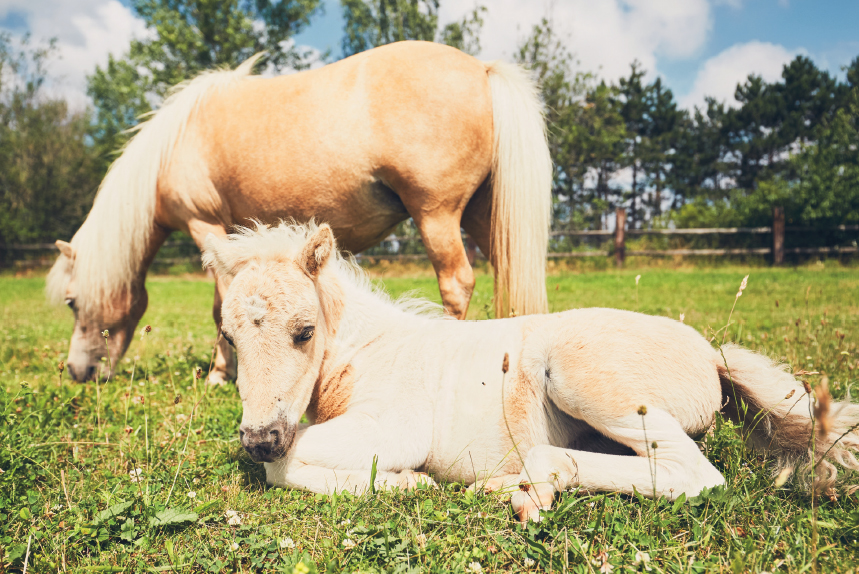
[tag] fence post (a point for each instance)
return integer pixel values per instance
(619, 245)
(778, 235)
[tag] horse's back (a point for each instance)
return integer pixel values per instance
(405, 124)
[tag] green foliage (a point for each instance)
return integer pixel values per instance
(372, 23)
(586, 131)
(184, 38)
(58, 438)
(47, 173)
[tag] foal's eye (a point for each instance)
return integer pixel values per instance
(305, 335)
(70, 303)
(227, 339)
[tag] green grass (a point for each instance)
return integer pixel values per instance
(66, 451)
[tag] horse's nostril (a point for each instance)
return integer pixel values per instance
(275, 436)
(90, 373)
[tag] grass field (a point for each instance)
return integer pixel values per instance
(70, 491)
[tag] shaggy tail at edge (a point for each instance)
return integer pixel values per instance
(780, 417)
(521, 192)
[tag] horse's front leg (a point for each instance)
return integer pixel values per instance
(224, 364)
(339, 454)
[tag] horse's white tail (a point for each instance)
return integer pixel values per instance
(780, 417)
(521, 192)
(112, 242)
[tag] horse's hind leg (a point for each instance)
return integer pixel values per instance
(443, 241)
(674, 466)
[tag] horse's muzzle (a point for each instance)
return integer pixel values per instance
(269, 443)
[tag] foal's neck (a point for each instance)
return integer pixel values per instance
(357, 316)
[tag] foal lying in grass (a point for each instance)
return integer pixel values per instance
(587, 394)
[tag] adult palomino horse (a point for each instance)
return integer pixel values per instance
(410, 129)
(427, 394)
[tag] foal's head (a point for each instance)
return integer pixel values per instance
(273, 317)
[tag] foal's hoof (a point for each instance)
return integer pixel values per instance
(409, 480)
(529, 500)
(500, 485)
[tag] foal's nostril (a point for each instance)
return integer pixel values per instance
(275, 436)
(90, 373)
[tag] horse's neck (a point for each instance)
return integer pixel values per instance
(156, 238)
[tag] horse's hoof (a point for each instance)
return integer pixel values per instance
(217, 378)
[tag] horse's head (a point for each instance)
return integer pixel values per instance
(96, 311)
(272, 315)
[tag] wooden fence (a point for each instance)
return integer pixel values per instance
(184, 251)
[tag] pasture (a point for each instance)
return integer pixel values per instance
(144, 472)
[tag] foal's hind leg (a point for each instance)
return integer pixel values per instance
(673, 467)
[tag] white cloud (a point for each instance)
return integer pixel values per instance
(605, 35)
(86, 32)
(718, 77)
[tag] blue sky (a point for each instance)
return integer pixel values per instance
(700, 47)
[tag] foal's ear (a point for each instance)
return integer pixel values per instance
(213, 257)
(65, 248)
(318, 249)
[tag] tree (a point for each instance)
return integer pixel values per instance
(372, 23)
(47, 174)
(584, 128)
(632, 97)
(184, 38)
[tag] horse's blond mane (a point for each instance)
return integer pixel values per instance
(287, 240)
(112, 242)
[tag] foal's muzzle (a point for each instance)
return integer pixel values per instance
(269, 443)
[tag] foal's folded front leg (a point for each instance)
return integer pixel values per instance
(338, 455)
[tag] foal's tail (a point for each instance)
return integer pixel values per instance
(781, 417)
(521, 192)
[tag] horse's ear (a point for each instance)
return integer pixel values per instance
(212, 256)
(65, 248)
(318, 249)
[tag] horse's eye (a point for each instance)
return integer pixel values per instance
(227, 339)
(70, 302)
(305, 335)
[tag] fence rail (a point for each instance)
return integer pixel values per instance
(777, 249)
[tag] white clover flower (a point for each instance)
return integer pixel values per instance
(529, 563)
(641, 559)
(345, 522)
(348, 544)
(234, 546)
(136, 475)
(233, 518)
(287, 543)
(475, 567)
(421, 539)
(192, 494)
(482, 514)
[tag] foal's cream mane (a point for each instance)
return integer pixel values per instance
(286, 241)
(112, 242)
